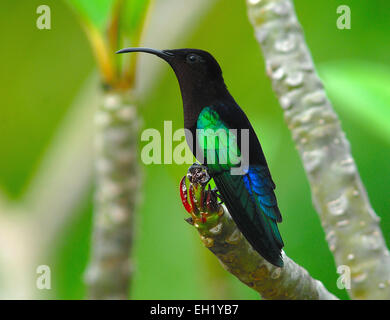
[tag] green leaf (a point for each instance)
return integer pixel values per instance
(95, 12)
(110, 25)
(360, 90)
(99, 12)
(133, 17)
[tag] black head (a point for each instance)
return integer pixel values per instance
(197, 64)
(193, 63)
(199, 76)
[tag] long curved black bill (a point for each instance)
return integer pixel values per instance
(160, 53)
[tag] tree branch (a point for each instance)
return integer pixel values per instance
(351, 225)
(118, 185)
(221, 236)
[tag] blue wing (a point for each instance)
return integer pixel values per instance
(259, 183)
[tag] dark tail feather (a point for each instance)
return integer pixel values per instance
(259, 229)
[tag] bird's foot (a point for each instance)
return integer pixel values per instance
(198, 174)
(199, 201)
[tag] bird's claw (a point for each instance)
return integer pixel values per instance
(198, 174)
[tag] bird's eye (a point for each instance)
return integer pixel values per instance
(193, 58)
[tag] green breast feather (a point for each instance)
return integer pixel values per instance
(218, 143)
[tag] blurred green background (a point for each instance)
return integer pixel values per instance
(43, 73)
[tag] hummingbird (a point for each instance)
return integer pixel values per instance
(208, 106)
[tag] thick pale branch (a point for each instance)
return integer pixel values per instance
(118, 183)
(292, 282)
(351, 225)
